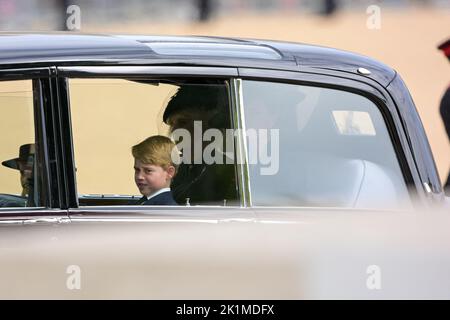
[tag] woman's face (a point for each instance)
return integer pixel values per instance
(196, 123)
(26, 170)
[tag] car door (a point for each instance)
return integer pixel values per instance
(32, 189)
(113, 108)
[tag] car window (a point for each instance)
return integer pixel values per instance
(19, 169)
(313, 146)
(118, 125)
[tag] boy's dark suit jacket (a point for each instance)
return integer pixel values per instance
(162, 199)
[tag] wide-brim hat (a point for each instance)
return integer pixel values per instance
(26, 156)
(445, 47)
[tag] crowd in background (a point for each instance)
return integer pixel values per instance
(51, 14)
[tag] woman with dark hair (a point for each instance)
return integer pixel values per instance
(198, 182)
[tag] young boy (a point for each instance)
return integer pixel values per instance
(154, 170)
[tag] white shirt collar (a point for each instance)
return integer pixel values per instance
(158, 192)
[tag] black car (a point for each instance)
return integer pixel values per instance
(299, 172)
(285, 126)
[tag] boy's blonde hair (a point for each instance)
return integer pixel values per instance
(155, 150)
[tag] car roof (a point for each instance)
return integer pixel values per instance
(63, 48)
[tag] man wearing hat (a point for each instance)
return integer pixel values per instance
(197, 182)
(23, 163)
(445, 105)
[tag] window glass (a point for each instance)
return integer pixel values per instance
(120, 130)
(18, 170)
(312, 146)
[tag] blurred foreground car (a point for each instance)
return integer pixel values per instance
(318, 142)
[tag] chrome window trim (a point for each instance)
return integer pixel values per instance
(209, 214)
(145, 71)
(28, 216)
(241, 142)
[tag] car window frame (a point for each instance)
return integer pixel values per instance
(362, 86)
(44, 110)
(141, 72)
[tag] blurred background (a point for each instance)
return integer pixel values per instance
(401, 33)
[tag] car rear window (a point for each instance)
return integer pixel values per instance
(321, 147)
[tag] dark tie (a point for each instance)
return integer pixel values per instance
(141, 201)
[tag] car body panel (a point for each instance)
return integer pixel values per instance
(320, 255)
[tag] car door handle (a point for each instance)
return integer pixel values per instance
(56, 220)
